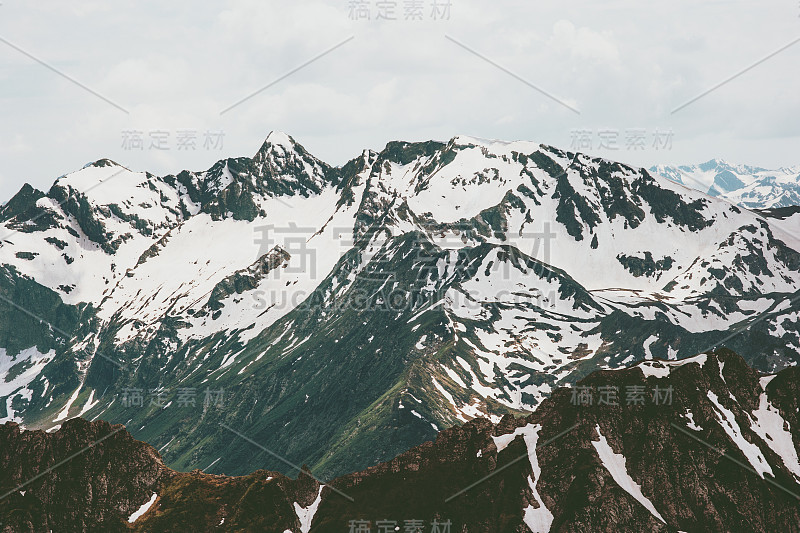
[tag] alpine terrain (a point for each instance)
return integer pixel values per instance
(339, 316)
(744, 185)
(712, 446)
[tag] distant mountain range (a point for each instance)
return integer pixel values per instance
(750, 187)
(709, 445)
(339, 316)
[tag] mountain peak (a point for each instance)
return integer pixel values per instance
(712, 164)
(100, 163)
(471, 139)
(279, 142)
(279, 137)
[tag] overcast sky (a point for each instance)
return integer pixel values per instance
(572, 74)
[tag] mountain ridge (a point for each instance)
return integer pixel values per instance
(720, 454)
(441, 275)
(744, 185)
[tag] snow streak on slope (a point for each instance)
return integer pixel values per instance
(615, 464)
(728, 422)
(143, 509)
(538, 519)
(65, 411)
(775, 431)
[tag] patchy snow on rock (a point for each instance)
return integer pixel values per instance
(421, 343)
(143, 509)
(501, 442)
(306, 514)
(752, 452)
(615, 464)
(90, 402)
(65, 412)
(31, 360)
(661, 369)
(646, 345)
(538, 519)
(657, 370)
(10, 414)
(768, 424)
(690, 421)
(413, 412)
(764, 380)
(455, 377)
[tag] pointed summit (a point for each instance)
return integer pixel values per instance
(21, 202)
(287, 168)
(279, 140)
(710, 165)
(279, 137)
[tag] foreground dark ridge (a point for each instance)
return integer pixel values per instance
(691, 465)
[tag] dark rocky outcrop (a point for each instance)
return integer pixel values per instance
(678, 456)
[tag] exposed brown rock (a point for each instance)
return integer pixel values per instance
(690, 484)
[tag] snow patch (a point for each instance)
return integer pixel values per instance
(650, 340)
(768, 424)
(65, 412)
(615, 464)
(752, 452)
(690, 424)
(661, 369)
(538, 519)
(143, 509)
(306, 514)
(91, 402)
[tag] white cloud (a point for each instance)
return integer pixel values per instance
(176, 65)
(584, 44)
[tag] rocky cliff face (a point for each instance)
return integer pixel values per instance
(701, 445)
(85, 476)
(459, 279)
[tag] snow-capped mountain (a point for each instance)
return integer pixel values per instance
(750, 187)
(349, 313)
(707, 444)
